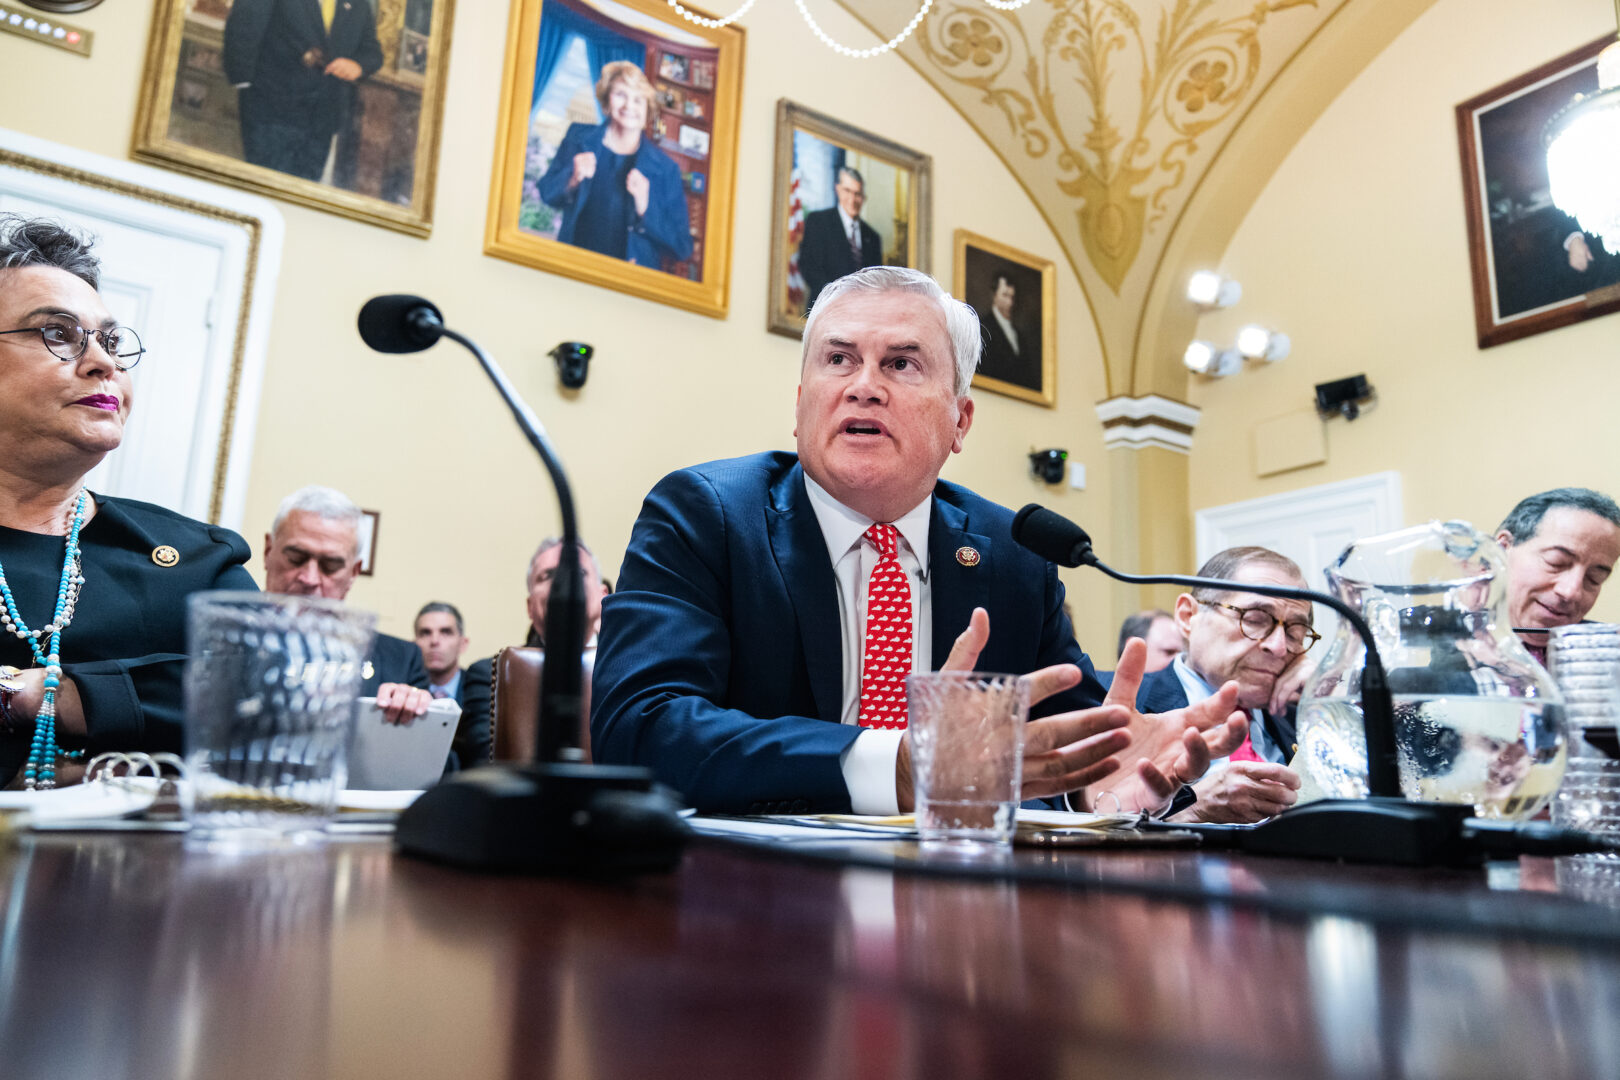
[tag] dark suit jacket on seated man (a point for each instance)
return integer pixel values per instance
(731, 654)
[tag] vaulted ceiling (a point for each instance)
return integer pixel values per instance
(1142, 129)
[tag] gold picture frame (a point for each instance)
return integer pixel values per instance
(996, 281)
(1533, 268)
(379, 163)
(814, 153)
(687, 150)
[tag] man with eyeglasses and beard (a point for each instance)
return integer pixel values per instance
(1254, 641)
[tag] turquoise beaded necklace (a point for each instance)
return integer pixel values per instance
(40, 772)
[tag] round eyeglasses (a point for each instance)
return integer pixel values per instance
(68, 341)
(1258, 623)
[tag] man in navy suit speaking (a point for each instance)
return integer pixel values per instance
(739, 657)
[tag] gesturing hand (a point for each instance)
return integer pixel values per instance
(1169, 749)
(1061, 753)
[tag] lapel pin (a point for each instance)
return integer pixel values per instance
(367, 671)
(967, 556)
(164, 555)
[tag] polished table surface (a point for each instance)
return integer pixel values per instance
(131, 956)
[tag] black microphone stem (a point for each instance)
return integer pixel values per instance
(1377, 706)
(562, 702)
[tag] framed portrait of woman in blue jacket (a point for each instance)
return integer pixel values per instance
(616, 153)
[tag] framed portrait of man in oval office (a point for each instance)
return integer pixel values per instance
(334, 104)
(844, 199)
(616, 151)
(1534, 267)
(1014, 294)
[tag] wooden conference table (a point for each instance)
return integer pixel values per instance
(130, 956)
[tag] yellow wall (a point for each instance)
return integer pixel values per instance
(1357, 249)
(424, 440)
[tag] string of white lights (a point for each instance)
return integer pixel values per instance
(715, 24)
(826, 39)
(863, 54)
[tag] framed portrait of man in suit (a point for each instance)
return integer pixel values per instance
(844, 199)
(1014, 294)
(334, 104)
(1534, 268)
(616, 153)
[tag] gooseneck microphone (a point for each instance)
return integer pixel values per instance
(1384, 828)
(400, 323)
(557, 813)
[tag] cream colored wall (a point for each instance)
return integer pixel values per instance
(1357, 249)
(424, 440)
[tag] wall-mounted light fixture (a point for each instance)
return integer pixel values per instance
(1210, 290)
(1202, 358)
(1258, 343)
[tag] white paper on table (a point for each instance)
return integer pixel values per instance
(83, 801)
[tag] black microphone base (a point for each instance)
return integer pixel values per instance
(553, 818)
(1391, 832)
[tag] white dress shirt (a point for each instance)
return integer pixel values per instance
(868, 762)
(1007, 328)
(852, 233)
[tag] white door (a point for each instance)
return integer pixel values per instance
(1312, 526)
(196, 286)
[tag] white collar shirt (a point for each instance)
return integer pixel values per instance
(868, 762)
(1006, 328)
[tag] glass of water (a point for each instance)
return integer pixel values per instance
(270, 697)
(967, 754)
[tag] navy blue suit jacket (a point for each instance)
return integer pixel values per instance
(394, 660)
(663, 232)
(719, 663)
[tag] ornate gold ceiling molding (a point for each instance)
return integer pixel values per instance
(1116, 101)
(1112, 113)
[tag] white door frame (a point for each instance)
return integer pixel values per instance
(1377, 493)
(247, 229)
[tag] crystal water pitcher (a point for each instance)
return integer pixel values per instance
(1477, 720)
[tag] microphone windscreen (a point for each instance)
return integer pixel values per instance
(399, 323)
(1050, 535)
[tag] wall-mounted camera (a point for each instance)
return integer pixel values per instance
(1048, 464)
(1343, 396)
(573, 363)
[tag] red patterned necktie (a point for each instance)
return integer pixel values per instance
(887, 660)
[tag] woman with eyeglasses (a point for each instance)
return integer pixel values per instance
(92, 588)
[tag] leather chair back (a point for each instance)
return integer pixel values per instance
(515, 700)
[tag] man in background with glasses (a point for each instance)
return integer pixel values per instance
(1253, 641)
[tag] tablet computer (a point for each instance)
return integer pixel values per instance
(393, 757)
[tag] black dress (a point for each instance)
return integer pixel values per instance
(125, 648)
